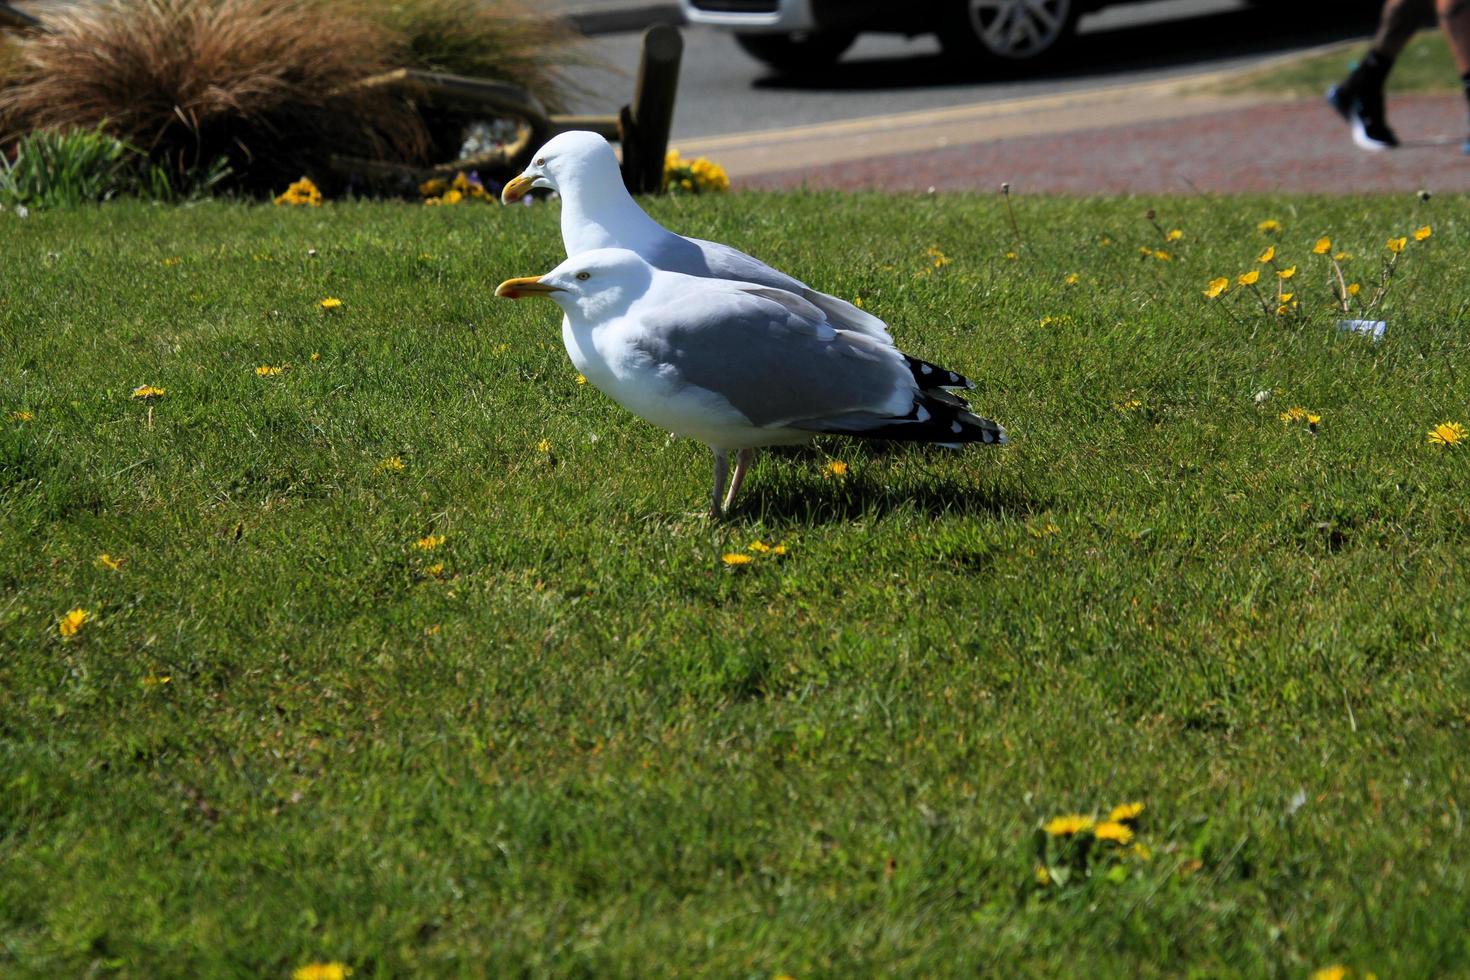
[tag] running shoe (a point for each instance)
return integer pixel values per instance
(1364, 112)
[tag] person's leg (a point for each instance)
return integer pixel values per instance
(1454, 20)
(1359, 98)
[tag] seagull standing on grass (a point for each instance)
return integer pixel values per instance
(738, 365)
(598, 212)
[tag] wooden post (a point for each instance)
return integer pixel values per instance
(646, 123)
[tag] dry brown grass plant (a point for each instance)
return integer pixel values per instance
(260, 82)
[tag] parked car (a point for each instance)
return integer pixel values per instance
(792, 35)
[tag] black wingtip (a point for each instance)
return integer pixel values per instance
(929, 376)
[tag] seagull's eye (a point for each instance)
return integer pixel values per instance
(541, 162)
(584, 276)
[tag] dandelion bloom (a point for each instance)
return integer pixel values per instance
(1423, 233)
(1174, 235)
(581, 379)
(1354, 289)
(1286, 273)
(1396, 245)
(393, 464)
(1012, 256)
(435, 570)
(1112, 830)
(1126, 812)
(1286, 297)
(1163, 256)
(1269, 226)
(109, 562)
(1342, 256)
(1313, 419)
(1217, 286)
(301, 193)
(1267, 255)
(322, 971)
(835, 468)
(736, 558)
(1248, 278)
(1067, 825)
(21, 415)
(858, 302)
(315, 356)
(779, 549)
(144, 392)
(1335, 972)
(1073, 279)
(330, 303)
(71, 623)
(1447, 434)
(759, 547)
(429, 542)
(1294, 414)
(940, 259)
(268, 371)
(1323, 246)
(544, 446)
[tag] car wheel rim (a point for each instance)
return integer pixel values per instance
(1018, 28)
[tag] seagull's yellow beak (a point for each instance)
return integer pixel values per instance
(527, 286)
(517, 189)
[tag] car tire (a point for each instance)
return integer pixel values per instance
(795, 53)
(1007, 34)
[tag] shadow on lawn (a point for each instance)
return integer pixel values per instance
(807, 500)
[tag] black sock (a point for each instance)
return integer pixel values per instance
(1372, 70)
(1465, 80)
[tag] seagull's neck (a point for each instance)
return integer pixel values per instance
(605, 216)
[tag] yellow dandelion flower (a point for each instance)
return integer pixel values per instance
(1447, 434)
(759, 547)
(1163, 256)
(435, 570)
(1112, 830)
(1396, 245)
(302, 193)
(1131, 405)
(1126, 812)
(1286, 297)
(1335, 972)
(939, 258)
(858, 302)
(1342, 256)
(1354, 289)
(1269, 227)
(322, 971)
(1012, 256)
(834, 468)
(1286, 273)
(330, 303)
(1423, 233)
(71, 623)
(1072, 279)
(1323, 246)
(581, 378)
(433, 187)
(172, 260)
(1145, 251)
(269, 371)
(21, 415)
(544, 446)
(1267, 255)
(1174, 235)
(1294, 414)
(108, 562)
(451, 197)
(429, 542)
(1313, 419)
(145, 392)
(736, 558)
(1248, 278)
(778, 549)
(1217, 287)
(1067, 825)
(393, 464)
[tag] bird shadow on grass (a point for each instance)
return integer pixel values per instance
(787, 498)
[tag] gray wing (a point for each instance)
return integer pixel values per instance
(711, 260)
(775, 358)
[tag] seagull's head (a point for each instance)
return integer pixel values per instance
(570, 160)
(595, 286)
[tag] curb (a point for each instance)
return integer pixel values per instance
(624, 19)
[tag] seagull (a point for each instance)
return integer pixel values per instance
(598, 212)
(739, 366)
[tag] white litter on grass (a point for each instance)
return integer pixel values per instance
(1263, 396)
(1372, 329)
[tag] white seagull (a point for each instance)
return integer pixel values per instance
(598, 212)
(738, 366)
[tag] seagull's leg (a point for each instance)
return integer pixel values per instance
(722, 469)
(742, 463)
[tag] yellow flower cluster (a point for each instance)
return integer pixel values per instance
(1298, 414)
(464, 187)
(303, 193)
(146, 392)
(736, 559)
(1118, 827)
(71, 624)
(429, 542)
(697, 176)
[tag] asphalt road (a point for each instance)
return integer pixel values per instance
(722, 90)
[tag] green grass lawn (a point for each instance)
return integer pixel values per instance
(570, 741)
(1424, 66)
